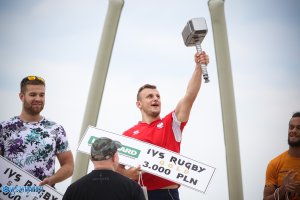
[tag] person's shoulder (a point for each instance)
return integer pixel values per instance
(50, 123)
(81, 181)
(279, 157)
(282, 155)
(130, 181)
(169, 115)
(46, 120)
(129, 131)
(10, 121)
(125, 178)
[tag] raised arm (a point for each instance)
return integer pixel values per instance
(183, 108)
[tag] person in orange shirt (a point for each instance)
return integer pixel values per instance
(283, 172)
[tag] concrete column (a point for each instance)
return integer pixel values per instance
(98, 80)
(234, 176)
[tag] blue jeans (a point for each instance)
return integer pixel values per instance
(163, 194)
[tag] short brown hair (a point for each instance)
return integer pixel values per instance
(296, 114)
(146, 86)
(31, 80)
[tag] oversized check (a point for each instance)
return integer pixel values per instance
(18, 184)
(155, 160)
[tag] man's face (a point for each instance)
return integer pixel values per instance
(33, 99)
(149, 102)
(294, 132)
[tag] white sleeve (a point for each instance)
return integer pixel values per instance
(176, 128)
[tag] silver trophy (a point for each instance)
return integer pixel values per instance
(193, 34)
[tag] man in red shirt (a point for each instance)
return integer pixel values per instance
(164, 132)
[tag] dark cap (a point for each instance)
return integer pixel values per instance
(104, 148)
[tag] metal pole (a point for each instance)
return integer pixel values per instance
(98, 80)
(235, 185)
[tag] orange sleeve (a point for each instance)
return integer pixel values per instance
(271, 174)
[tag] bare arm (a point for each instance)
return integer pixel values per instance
(183, 108)
(132, 172)
(65, 171)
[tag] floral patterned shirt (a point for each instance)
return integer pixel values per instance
(33, 146)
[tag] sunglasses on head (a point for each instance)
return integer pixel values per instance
(32, 78)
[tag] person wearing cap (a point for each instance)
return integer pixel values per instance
(103, 182)
(33, 142)
(165, 132)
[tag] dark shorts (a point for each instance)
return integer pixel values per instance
(163, 194)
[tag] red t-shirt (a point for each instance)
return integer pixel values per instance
(159, 133)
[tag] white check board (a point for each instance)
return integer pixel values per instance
(155, 160)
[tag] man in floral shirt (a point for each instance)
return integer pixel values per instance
(32, 142)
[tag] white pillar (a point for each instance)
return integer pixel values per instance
(234, 176)
(98, 80)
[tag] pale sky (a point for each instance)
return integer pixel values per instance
(59, 41)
